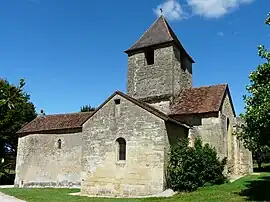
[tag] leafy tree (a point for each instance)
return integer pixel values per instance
(87, 108)
(256, 131)
(193, 167)
(267, 21)
(15, 111)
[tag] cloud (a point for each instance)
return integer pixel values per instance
(172, 10)
(214, 8)
(220, 34)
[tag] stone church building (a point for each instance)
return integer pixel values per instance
(121, 149)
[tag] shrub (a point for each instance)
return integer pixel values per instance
(193, 167)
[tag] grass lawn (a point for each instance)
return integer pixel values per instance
(249, 188)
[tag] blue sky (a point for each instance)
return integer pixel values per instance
(70, 52)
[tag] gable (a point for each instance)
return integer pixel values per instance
(119, 111)
(227, 107)
(149, 109)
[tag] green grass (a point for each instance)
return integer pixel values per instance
(249, 188)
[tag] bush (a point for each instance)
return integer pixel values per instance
(193, 167)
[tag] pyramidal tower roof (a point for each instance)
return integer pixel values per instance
(158, 33)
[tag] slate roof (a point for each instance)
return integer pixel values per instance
(159, 32)
(200, 100)
(56, 122)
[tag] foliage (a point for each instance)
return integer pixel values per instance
(255, 132)
(9, 94)
(261, 155)
(193, 167)
(267, 21)
(87, 108)
(15, 111)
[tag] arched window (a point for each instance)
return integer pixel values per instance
(121, 148)
(59, 144)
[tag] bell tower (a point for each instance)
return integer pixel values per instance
(158, 65)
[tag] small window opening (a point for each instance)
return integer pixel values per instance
(59, 144)
(228, 124)
(121, 148)
(149, 56)
(117, 101)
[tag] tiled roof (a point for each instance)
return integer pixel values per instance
(160, 32)
(76, 120)
(56, 122)
(200, 100)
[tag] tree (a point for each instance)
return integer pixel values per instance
(267, 21)
(15, 111)
(87, 108)
(255, 133)
(193, 167)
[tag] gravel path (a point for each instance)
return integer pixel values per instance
(6, 198)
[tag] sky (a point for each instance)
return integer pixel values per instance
(71, 52)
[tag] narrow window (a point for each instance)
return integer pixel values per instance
(121, 148)
(149, 56)
(228, 124)
(59, 144)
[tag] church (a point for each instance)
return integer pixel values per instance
(121, 149)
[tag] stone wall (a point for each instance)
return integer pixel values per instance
(163, 106)
(239, 158)
(227, 107)
(143, 171)
(212, 132)
(40, 163)
(210, 128)
(165, 77)
(182, 72)
(232, 150)
(243, 159)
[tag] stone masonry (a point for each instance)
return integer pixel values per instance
(41, 163)
(143, 172)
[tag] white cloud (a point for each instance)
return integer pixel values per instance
(172, 10)
(214, 8)
(220, 34)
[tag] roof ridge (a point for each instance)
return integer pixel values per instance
(167, 26)
(220, 84)
(70, 113)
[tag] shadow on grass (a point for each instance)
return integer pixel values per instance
(257, 190)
